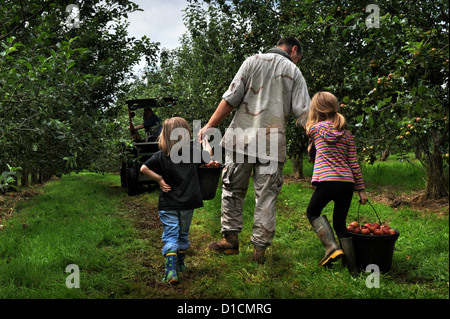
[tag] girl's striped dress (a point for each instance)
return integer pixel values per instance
(335, 156)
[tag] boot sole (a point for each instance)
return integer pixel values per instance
(172, 281)
(333, 257)
(227, 251)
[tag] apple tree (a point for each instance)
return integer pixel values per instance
(388, 73)
(59, 84)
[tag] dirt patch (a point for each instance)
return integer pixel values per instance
(415, 199)
(9, 200)
(143, 213)
(292, 179)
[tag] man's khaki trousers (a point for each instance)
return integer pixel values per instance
(235, 180)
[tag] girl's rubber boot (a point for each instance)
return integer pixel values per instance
(171, 275)
(323, 229)
(349, 255)
(181, 265)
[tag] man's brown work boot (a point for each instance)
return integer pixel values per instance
(229, 244)
(258, 255)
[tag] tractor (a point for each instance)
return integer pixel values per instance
(141, 148)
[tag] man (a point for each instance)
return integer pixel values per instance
(265, 90)
(152, 124)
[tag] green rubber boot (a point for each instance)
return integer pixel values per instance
(171, 275)
(181, 265)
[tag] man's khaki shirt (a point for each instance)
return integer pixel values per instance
(266, 89)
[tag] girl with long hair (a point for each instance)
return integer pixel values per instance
(336, 176)
(180, 192)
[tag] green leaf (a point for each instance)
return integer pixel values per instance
(344, 32)
(348, 18)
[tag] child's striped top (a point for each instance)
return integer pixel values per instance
(335, 156)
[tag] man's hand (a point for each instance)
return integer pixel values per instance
(203, 133)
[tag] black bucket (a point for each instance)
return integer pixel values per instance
(374, 249)
(209, 180)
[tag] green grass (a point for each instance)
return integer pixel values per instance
(393, 173)
(87, 220)
(75, 221)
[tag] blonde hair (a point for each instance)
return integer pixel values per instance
(165, 142)
(325, 106)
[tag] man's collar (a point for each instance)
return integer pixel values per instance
(279, 51)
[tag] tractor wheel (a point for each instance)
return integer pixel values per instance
(132, 180)
(123, 175)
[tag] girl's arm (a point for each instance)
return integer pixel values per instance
(157, 178)
(362, 197)
(356, 170)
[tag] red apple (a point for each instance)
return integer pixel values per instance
(354, 224)
(365, 231)
(385, 230)
(357, 230)
(350, 229)
(367, 225)
(372, 227)
(392, 231)
(378, 232)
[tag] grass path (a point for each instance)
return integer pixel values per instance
(115, 240)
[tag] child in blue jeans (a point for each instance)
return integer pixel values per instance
(180, 192)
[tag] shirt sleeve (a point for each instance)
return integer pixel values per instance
(236, 91)
(300, 100)
(154, 163)
(354, 166)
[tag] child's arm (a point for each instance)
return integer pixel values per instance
(362, 197)
(356, 170)
(157, 178)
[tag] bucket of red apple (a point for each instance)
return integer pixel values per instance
(208, 176)
(373, 243)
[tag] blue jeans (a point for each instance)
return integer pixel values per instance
(176, 225)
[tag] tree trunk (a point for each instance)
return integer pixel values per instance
(436, 185)
(34, 178)
(417, 151)
(297, 166)
(24, 180)
(385, 154)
